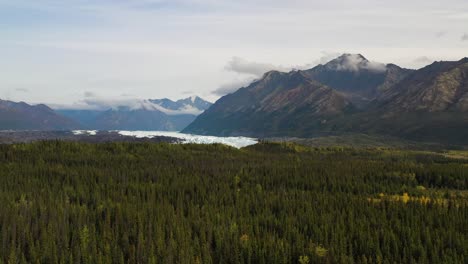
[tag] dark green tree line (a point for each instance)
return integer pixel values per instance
(268, 203)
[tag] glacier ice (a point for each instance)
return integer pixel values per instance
(237, 142)
(85, 132)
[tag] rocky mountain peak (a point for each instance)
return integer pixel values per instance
(355, 63)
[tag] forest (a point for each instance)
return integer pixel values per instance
(71, 202)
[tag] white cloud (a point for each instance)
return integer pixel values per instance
(93, 102)
(184, 110)
(423, 60)
(327, 56)
(242, 66)
(233, 86)
(248, 71)
(355, 63)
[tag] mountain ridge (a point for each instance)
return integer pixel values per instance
(22, 116)
(151, 114)
(358, 78)
(433, 92)
(146, 116)
(426, 104)
(268, 99)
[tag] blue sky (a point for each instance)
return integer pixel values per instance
(69, 52)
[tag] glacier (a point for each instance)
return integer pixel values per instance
(85, 132)
(237, 142)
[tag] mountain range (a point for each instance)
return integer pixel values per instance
(357, 78)
(349, 94)
(152, 114)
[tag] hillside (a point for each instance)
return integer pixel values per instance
(358, 78)
(276, 104)
(431, 104)
(439, 87)
(22, 116)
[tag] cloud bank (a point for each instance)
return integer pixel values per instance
(93, 102)
(248, 71)
(233, 86)
(243, 66)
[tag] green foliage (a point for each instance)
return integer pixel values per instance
(304, 260)
(270, 203)
(320, 251)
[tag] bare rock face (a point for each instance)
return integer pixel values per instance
(439, 87)
(278, 103)
(358, 78)
(430, 104)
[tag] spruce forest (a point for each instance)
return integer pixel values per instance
(69, 202)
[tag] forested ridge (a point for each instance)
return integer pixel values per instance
(69, 202)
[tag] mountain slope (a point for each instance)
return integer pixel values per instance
(431, 104)
(140, 119)
(279, 103)
(358, 78)
(83, 117)
(22, 116)
(441, 86)
(356, 96)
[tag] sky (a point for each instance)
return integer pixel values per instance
(67, 53)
